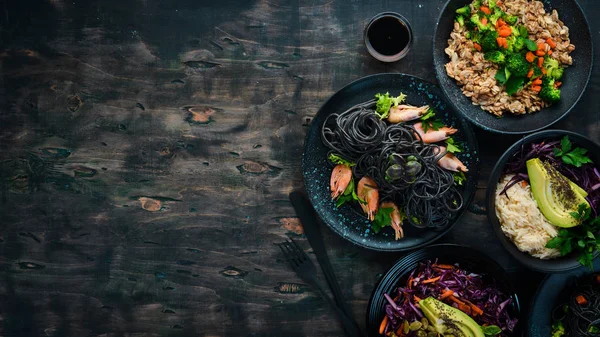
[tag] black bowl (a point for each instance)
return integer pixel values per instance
(468, 259)
(550, 294)
(349, 222)
(557, 265)
(575, 79)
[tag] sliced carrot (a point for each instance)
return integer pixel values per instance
(540, 53)
(464, 308)
(476, 309)
(551, 43)
(444, 266)
(484, 21)
(500, 23)
(501, 41)
(524, 183)
(456, 300)
(581, 300)
(477, 46)
(400, 331)
(529, 56)
(530, 73)
(446, 293)
(383, 324)
(544, 71)
(504, 31)
(431, 280)
(540, 62)
(410, 282)
(485, 9)
(557, 84)
(549, 52)
(541, 46)
(498, 3)
(536, 88)
(416, 298)
(537, 82)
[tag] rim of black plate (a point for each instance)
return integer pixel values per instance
(486, 128)
(467, 127)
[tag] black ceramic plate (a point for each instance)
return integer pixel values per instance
(468, 259)
(548, 297)
(575, 79)
(561, 264)
(347, 221)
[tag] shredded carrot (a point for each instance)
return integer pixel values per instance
(529, 57)
(541, 46)
(400, 331)
(530, 73)
(581, 300)
(551, 43)
(540, 53)
(557, 84)
(410, 282)
(537, 82)
(544, 71)
(484, 21)
(444, 266)
(477, 46)
(431, 280)
(416, 298)
(476, 309)
(456, 300)
(383, 324)
(524, 183)
(485, 9)
(536, 88)
(446, 293)
(464, 308)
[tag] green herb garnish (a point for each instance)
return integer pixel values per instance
(569, 156)
(459, 177)
(349, 195)
(580, 238)
(452, 146)
(383, 218)
(337, 159)
(491, 330)
(385, 102)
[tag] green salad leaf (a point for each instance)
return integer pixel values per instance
(337, 159)
(385, 102)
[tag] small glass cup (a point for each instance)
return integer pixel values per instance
(406, 30)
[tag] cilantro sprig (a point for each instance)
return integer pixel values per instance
(583, 239)
(569, 155)
(337, 159)
(385, 102)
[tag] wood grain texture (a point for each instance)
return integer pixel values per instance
(148, 151)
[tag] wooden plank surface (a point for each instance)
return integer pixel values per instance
(148, 148)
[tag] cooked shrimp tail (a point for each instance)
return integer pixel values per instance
(406, 113)
(450, 162)
(340, 178)
(434, 136)
(367, 191)
(396, 218)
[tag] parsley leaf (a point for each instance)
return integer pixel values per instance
(453, 146)
(384, 103)
(435, 125)
(575, 157)
(382, 219)
(491, 330)
(580, 239)
(459, 178)
(348, 195)
(429, 114)
(337, 159)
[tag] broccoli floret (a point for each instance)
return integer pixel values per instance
(537, 72)
(476, 19)
(519, 43)
(492, 4)
(488, 40)
(464, 10)
(553, 68)
(549, 93)
(510, 19)
(495, 16)
(477, 4)
(517, 65)
(495, 56)
(460, 20)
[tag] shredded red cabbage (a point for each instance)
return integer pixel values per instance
(467, 287)
(586, 176)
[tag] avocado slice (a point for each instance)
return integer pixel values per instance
(555, 194)
(444, 317)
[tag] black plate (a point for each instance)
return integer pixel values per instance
(575, 79)
(561, 264)
(347, 221)
(468, 259)
(547, 298)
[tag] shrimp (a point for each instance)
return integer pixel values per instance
(405, 113)
(450, 162)
(340, 178)
(368, 192)
(396, 218)
(434, 136)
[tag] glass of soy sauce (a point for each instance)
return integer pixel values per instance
(388, 37)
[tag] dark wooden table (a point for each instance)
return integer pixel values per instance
(148, 148)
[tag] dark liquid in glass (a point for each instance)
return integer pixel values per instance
(388, 36)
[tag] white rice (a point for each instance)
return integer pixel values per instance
(522, 221)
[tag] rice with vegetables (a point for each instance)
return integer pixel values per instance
(493, 74)
(522, 221)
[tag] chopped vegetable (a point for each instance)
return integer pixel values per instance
(536, 88)
(464, 10)
(570, 156)
(540, 62)
(484, 21)
(504, 31)
(581, 300)
(502, 75)
(384, 103)
(337, 159)
(529, 57)
(552, 67)
(460, 20)
(517, 65)
(549, 93)
(431, 280)
(531, 45)
(459, 177)
(530, 73)
(510, 19)
(382, 219)
(446, 293)
(495, 56)
(540, 53)
(513, 84)
(475, 19)
(551, 43)
(485, 9)
(477, 46)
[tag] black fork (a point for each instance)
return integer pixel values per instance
(304, 267)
